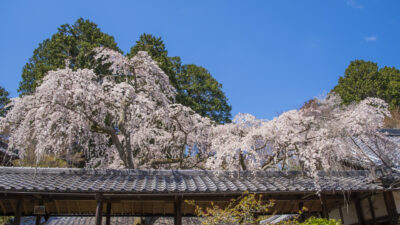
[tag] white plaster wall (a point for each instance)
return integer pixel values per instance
(379, 205)
(349, 214)
(334, 214)
(367, 214)
(396, 196)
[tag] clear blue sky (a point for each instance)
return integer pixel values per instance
(270, 56)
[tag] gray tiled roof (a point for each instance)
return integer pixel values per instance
(76, 220)
(115, 220)
(373, 147)
(275, 219)
(14, 179)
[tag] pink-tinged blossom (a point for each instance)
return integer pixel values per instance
(313, 138)
(126, 119)
(129, 118)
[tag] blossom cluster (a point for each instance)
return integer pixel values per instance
(129, 118)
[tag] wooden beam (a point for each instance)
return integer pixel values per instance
(178, 210)
(18, 212)
(192, 196)
(108, 213)
(99, 209)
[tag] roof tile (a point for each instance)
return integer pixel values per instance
(176, 181)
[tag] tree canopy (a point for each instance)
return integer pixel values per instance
(129, 118)
(364, 79)
(196, 87)
(132, 123)
(4, 100)
(73, 42)
(198, 90)
(318, 137)
(76, 42)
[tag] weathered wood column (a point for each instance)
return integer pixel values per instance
(99, 209)
(391, 207)
(302, 216)
(359, 211)
(108, 214)
(371, 209)
(18, 212)
(38, 217)
(178, 210)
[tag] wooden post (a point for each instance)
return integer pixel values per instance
(38, 217)
(18, 212)
(108, 215)
(178, 210)
(371, 209)
(341, 214)
(324, 207)
(390, 205)
(99, 209)
(359, 212)
(302, 216)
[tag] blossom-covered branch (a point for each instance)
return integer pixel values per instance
(126, 119)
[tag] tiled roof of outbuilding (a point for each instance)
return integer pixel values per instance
(373, 148)
(115, 220)
(76, 220)
(275, 219)
(21, 179)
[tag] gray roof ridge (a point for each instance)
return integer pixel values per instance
(391, 131)
(174, 172)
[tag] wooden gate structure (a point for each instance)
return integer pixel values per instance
(106, 192)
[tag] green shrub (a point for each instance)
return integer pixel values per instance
(320, 221)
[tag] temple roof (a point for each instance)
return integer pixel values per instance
(23, 179)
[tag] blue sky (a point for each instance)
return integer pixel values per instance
(270, 56)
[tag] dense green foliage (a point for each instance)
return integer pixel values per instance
(244, 210)
(200, 91)
(320, 221)
(73, 42)
(4, 100)
(156, 49)
(196, 88)
(240, 211)
(364, 79)
(5, 220)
